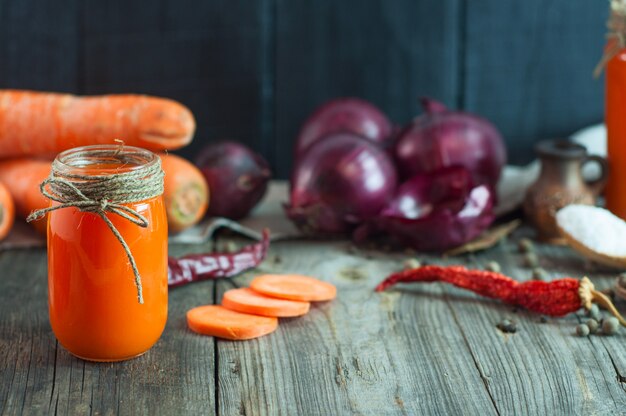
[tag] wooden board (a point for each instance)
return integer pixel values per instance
(39, 47)
(253, 71)
(38, 376)
(417, 349)
(208, 55)
(544, 368)
(363, 353)
(528, 67)
(388, 52)
(455, 359)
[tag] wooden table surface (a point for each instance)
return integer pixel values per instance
(429, 349)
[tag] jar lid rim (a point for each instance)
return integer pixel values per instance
(130, 158)
(560, 148)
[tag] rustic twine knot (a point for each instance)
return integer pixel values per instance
(616, 34)
(102, 194)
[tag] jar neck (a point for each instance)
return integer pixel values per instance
(108, 173)
(104, 160)
(566, 171)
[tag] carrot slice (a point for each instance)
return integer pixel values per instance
(217, 321)
(248, 301)
(293, 287)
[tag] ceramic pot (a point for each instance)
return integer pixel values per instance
(560, 183)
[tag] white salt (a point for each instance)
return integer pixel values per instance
(596, 228)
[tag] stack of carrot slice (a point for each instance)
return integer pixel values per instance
(248, 313)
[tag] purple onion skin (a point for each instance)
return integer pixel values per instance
(237, 178)
(439, 211)
(445, 229)
(340, 182)
(441, 138)
(343, 115)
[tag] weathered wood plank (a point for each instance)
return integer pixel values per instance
(564, 261)
(38, 376)
(389, 52)
(610, 348)
(528, 68)
(363, 353)
(420, 349)
(27, 346)
(544, 368)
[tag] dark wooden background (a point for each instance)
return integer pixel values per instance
(253, 70)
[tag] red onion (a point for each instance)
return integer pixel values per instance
(441, 137)
(237, 178)
(438, 211)
(340, 181)
(421, 195)
(343, 115)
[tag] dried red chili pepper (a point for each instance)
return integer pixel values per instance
(196, 267)
(555, 298)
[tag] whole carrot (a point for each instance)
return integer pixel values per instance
(556, 298)
(38, 123)
(22, 178)
(185, 192)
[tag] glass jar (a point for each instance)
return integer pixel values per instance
(93, 299)
(615, 108)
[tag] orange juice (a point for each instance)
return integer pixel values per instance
(93, 301)
(615, 117)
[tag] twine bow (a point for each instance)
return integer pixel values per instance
(616, 34)
(102, 194)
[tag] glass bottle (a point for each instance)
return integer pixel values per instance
(615, 108)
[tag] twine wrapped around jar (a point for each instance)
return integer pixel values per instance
(102, 194)
(616, 34)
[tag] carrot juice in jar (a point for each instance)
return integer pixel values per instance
(614, 61)
(616, 133)
(101, 307)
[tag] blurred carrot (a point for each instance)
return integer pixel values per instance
(39, 123)
(7, 211)
(22, 178)
(186, 194)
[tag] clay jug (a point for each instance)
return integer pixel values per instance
(560, 183)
